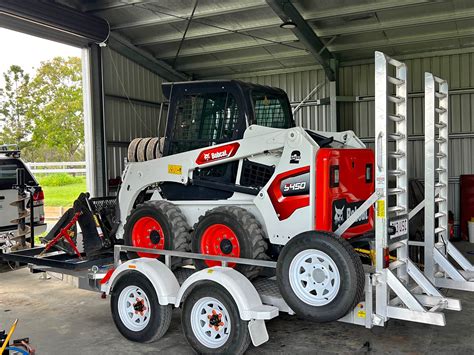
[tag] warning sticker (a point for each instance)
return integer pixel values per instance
(174, 169)
(381, 208)
(361, 314)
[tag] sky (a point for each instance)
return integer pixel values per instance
(29, 51)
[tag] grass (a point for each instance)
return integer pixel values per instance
(61, 189)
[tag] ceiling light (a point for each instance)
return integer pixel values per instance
(288, 25)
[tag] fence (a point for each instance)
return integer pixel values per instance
(73, 167)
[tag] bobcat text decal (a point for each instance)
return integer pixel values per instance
(217, 153)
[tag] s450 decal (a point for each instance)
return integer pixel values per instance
(296, 185)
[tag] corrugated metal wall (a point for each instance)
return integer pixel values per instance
(358, 80)
(298, 85)
(132, 96)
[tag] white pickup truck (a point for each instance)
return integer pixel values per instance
(9, 163)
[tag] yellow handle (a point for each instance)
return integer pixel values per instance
(9, 335)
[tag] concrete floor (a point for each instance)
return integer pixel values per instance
(59, 318)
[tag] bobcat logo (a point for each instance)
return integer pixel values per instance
(342, 210)
(338, 216)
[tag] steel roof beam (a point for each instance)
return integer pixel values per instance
(138, 55)
(191, 66)
(100, 6)
(318, 15)
(407, 40)
(200, 14)
(398, 23)
(226, 47)
(176, 37)
(303, 31)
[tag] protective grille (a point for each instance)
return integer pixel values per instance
(255, 174)
(271, 111)
(203, 120)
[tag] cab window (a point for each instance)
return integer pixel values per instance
(203, 120)
(271, 110)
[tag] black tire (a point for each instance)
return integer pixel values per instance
(332, 302)
(172, 221)
(238, 338)
(247, 230)
(160, 316)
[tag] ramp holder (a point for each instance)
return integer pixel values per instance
(438, 250)
(402, 291)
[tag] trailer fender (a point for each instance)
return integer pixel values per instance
(241, 289)
(161, 277)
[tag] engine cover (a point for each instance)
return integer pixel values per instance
(344, 180)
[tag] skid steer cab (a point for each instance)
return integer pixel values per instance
(234, 176)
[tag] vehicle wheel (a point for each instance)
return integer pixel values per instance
(229, 231)
(211, 321)
(156, 225)
(136, 311)
(320, 276)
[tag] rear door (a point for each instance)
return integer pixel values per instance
(8, 193)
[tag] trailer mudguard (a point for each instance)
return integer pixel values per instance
(161, 277)
(241, 289)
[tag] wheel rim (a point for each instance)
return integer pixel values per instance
(148, 233)
(134, 308)
(218, 239)
(314, 277)
(210, 322)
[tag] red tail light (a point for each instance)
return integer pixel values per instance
(38, 198)
(386, 258)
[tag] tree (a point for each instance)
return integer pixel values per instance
(57, 107)
(15, 104)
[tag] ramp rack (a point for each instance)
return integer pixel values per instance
(438, 250)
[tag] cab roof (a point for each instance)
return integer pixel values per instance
(207, 85)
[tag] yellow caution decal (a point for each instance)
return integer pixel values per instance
(174, 169)
(381, 208)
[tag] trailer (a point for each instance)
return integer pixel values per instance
(223, 310)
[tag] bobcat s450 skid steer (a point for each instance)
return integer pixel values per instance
(234, 176)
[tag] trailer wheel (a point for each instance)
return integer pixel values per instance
(320, 276)
(156, 225)
(211, 321)
(136, 311)
(229, 231)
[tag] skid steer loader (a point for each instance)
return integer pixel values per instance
(234, 176)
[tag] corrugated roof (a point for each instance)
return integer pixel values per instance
(229, 37)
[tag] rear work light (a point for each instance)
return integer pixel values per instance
(334, 176)
(368, 173)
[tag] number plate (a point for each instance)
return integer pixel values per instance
(398, 228)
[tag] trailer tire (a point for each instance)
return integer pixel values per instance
(153, 321)
(320, 276)
(246, 239)
(170, 230)
(206, 309)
